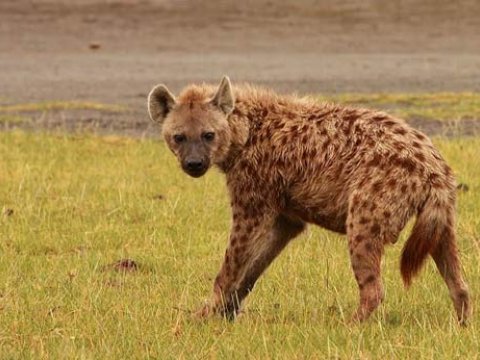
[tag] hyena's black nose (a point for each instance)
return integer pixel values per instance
(195, 165)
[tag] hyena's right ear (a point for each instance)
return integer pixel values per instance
(224, 98)
(160, 102)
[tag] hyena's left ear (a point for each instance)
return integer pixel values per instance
(160, 102)
(224, 99)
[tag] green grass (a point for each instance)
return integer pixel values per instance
(9, 119)
(438, 106)
(81, 202)
(60, 105)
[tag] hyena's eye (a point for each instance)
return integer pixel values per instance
(179, 138)
(208, 136)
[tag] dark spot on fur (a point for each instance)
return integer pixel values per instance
(446, 170)
(375, 160)
(355, 200)
(363, 220)
(373, 207)
(408, 164)
(326, 144)
(417, 145)
(398, 146)
(387, 214)
(370, 279)
(368, 246)
(349, 122)
(403, 189)
(420, 136)
(364, 181)
(358, 238)
(462, 295)
(357, 143)
(389, 123)
(380, 117)
(268, 132)
(435, 180)
(242, 247)
(419, 156)
(391, 183)
(375, 229)
(400, 131)
(237, 227)
(377, 186)
(237, 260)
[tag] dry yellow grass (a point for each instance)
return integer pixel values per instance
(80, 202)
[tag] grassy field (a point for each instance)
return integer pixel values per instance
(435, 106)
(73, 204)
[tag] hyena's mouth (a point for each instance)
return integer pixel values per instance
(196, 173)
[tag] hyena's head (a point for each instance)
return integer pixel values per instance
(195, 126)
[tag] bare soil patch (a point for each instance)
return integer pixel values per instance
(115, 51)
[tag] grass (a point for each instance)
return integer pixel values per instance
(60, 105)
(437, 106)
(9, 119)
(75, 203)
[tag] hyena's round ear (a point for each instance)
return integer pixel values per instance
(160, 102)
(224, 99)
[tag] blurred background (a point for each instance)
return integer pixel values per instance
(114, 51)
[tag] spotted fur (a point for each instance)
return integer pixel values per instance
(289, 161)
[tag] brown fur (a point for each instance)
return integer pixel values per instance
(289, 161)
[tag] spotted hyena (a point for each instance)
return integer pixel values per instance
(290, 161)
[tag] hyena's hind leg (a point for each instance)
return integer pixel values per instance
(446, 258)
(366, 250)
(369, 227)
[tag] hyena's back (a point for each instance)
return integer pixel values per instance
(331, 160)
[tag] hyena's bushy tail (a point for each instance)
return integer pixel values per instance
(431, 228)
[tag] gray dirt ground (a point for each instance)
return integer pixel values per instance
(292, 46)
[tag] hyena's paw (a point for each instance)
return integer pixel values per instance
(369, 302)
(359, 316)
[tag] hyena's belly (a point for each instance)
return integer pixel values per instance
(323, 215)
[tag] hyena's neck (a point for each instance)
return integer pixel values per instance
(239, 133)
(252, 107)
(242, 123)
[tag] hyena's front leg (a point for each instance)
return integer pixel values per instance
(254, 244)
